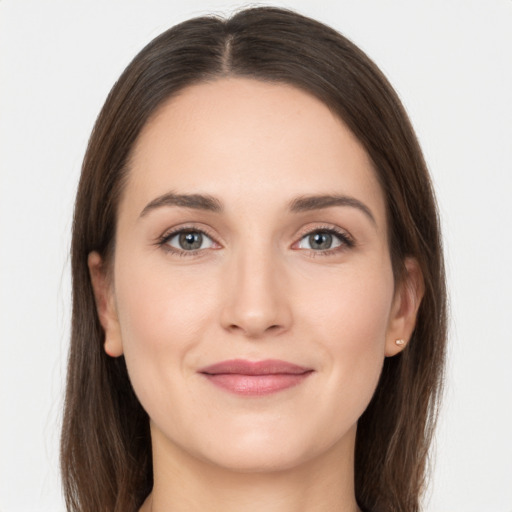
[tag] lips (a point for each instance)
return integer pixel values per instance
(255, 378)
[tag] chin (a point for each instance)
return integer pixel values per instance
(270, 451)
(258, 459)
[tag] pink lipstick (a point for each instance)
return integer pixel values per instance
(255, 378)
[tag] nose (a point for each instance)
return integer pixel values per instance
(256, 299)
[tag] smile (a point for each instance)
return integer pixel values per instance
(255, 378)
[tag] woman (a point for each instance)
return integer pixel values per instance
(258, 284)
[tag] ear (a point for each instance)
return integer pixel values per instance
(105, 305)
(406, 303)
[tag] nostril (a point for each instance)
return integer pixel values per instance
(255, 331)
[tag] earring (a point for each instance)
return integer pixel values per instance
(400, 342)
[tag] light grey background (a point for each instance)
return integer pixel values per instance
(451, 62)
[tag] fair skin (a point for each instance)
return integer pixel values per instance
(252, 278)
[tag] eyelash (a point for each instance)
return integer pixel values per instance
(164, 239)
(347, 242)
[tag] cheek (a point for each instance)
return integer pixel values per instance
(349, 321)
(162, 317)
(352, 307)
(157, 307)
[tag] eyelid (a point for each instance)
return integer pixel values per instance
(162, 240)
(347, 240)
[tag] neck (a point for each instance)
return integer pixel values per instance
(185, 483)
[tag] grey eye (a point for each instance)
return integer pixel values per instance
(320, 241)
(190, 241)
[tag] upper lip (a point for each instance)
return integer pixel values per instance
(243, 367)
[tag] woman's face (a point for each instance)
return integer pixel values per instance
(252, 229)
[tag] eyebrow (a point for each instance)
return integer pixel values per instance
(318, 202)
(297, 205)
(195, 201)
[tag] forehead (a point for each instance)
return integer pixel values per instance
(249, 142)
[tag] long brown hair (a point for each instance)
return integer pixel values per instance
(106, 446)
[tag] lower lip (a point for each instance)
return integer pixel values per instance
(256, 385)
